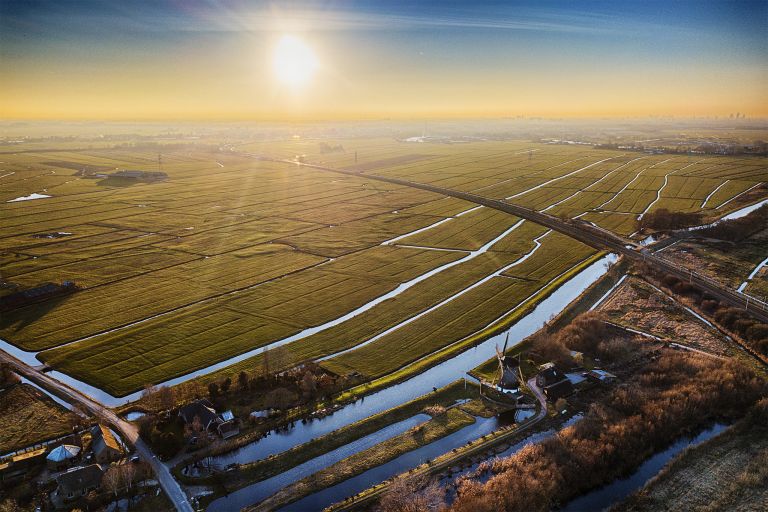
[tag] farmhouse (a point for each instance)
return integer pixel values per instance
(225, 425)
(201, 409)
(554, 382)
(105, 447)
(78, 482)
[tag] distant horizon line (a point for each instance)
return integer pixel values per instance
(315, 120)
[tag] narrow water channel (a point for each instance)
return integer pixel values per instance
(437, 376)
(412, 459)
(262, 490)
(619, 489)
(107, 399)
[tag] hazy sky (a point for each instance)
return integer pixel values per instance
(214, 59)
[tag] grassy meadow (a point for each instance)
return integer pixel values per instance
(233, 251)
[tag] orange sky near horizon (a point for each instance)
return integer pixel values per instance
(193, 66)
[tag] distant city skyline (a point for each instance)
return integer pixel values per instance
(238, 60)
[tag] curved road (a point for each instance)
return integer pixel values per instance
(128, 431)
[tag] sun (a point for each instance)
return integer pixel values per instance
(294, 61)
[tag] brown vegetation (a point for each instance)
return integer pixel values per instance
(728, 472)
(7, 377)
(736, 320)
(411, 495)
(674, 393)
(736, 230)
(587, 333)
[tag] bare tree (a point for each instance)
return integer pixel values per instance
(280, 358)
(309, 384)
(279, 398)
(128, 472)
(166, 397)
(112, 480)
(242, 381)
(150, 395)
(265, 361)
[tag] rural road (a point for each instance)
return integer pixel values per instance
(127, 430)
(583, 232)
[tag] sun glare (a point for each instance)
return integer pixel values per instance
(294, 61)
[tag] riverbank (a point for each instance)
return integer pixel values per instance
(639, 419)
(728, 472)
(251, 473)
(451, 350)
(440, 426)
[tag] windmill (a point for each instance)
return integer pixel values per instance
(508, 366)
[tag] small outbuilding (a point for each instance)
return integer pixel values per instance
(228, 429)
(105, 447)
(601, 376)
(62, 457)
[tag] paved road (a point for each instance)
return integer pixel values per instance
(128, 431)
(582, 231)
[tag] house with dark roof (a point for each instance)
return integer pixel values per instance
(105, 447)
(78, 482)
(19, 466)
(225, 425)
(553, 382)
(201, 409)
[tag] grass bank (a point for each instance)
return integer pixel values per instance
(451, 421)
(260, 470)
(450, 351)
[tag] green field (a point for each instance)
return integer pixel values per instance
(231, 252)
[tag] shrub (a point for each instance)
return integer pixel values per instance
(670, 395)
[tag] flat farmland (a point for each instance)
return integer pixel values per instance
(232, 253)
(469, 313)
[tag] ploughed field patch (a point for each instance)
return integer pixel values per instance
(23, 406)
